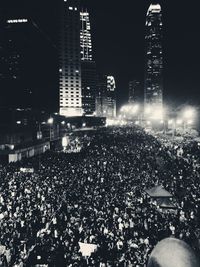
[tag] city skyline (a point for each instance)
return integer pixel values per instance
(113, 55)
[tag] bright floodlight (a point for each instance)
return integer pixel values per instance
(137, 122)
(170, 121)
(189, 122)
(189, 113)
(147, 110)
(157, 113)
(134, 108)
(179, 121)
(63, 122)
(50, 120)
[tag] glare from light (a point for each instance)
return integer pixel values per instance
(157, 113)
(63, 122)
(179, 121)
(148, 123)
(137, 122)
(50, 120)
(134, 108)
(170, 122)
(18, 122)
(147, 110)
(189, 122)
(189, 113)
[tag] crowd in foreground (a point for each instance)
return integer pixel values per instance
(97, 196)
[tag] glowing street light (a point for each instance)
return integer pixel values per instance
(50, 121)
(157, 113)
(189, 113)
(179, 121)
(147, 110)
(134, 108)
(189, 122)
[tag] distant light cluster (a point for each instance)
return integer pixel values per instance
(17, 21)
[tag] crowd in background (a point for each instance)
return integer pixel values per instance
(97, 196)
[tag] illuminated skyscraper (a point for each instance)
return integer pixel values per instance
(24, 54)
(88, 66)
(85, 36)
(70, 59)
(134, 91)
(106, 97)
(153, 88)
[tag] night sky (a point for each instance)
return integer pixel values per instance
(118, 43)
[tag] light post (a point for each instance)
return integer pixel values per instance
(50, 122)
(188, 116)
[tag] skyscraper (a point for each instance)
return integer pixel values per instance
(24, 54)
(70, 59)
(85, 36)
(134, 91)
(153, 88)
(88, 66)
(106, 97)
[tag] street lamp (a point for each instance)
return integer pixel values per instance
(188, 116)
(50, 122)
(179, 121)
(189, 113)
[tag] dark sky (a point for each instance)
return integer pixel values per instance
(118, 42)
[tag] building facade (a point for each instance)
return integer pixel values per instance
(24, 55)
(153, 84)
(88, 66)
(106, 97)
(70, 60)
(134, 91)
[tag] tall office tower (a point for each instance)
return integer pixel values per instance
(153, 89)
(70, 59)
(111, 97)
(106, 97)
(85, 36)
(134, 91)
(23, 58)
(88, 66)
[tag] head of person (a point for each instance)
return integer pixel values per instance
(172, 252)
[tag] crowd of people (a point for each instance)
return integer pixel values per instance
(97, 196)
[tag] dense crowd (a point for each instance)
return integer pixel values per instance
(97, 196)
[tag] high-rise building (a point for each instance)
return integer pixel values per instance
(88, 66)
(134, 91)
(70, 59)
(23, 57)
(111, 97)
(106, 97)
(85, 36)
(153, 84)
